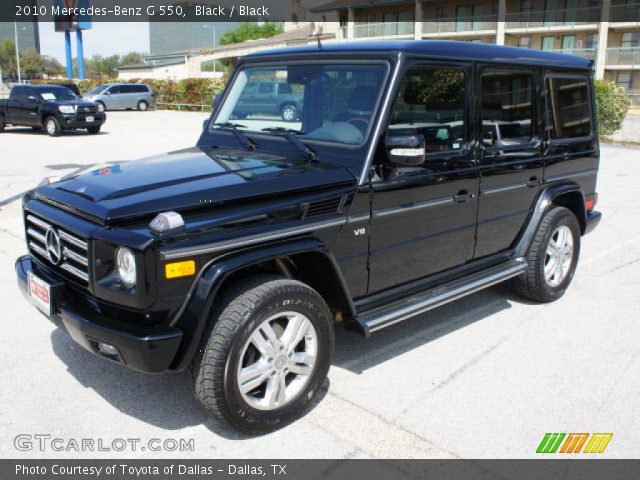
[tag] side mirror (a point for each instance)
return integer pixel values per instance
(405, 150)
(488, 139)
(107, 93)
(31, 98)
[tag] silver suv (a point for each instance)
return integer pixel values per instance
(115, 96)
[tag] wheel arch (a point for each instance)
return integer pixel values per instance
(307, 260)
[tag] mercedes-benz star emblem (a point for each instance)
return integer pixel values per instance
(53, 246)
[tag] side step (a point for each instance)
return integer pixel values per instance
(386, 315)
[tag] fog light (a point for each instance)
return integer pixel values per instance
(107, 349)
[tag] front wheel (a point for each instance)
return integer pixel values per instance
(553, 257)
(101, 107)
(53, 126)
(266, 356)
(93, 130)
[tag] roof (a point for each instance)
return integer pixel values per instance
(340, 4)
(441, 49)
(150, 65)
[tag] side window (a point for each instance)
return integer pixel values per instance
(568, 107)
(141, 89)
(115, 90)
(266, 88)
(284, 88)
(431, 102)
(127, 89)
(507, 107)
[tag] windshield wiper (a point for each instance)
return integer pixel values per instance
(290, 134)
(233, 127)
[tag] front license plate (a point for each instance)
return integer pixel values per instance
(40, 293)
(90, 119)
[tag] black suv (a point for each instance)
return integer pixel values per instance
(419, 172)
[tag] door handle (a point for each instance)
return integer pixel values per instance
(462, 196)
(533, 182)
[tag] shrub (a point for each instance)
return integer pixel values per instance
(612, 105)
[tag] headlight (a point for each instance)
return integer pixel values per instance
(126, 264)
(67, 108)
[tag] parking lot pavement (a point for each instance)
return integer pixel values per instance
(486, 376)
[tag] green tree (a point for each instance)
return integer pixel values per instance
(31, 64)
(52, 67)
(8, 59)
(612, 105)
(251, 31)
(131, 58)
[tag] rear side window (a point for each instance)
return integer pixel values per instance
(115, 90)
(140, 88)
(431, 103)
(265, 88)
(507, 107)
(284, 88)
(127, 88)
(568, 107)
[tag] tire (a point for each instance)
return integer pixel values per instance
(556, 243)
(246, 310)
(52, 126)
(93, 130)
(142, 106)
(101, 107)
(1, 124)
(289, 112)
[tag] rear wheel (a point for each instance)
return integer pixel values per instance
(53, 126)
(266, 356)
(143, 106)
(553, 257)
(289, 113)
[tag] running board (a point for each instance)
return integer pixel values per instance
(405, 308)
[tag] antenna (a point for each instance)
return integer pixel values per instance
(317, 32)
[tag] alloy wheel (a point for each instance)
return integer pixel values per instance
(558, 256)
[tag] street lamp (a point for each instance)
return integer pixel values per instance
(214, 42)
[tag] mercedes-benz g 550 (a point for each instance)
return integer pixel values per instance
(417, 173)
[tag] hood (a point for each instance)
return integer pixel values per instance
(188, 179)
(79, 102)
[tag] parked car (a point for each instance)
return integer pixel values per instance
(269, 98)
(71, 86)
(52, 107)
(239, 256)
(123, 96)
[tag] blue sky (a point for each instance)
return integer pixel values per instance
(104, 38)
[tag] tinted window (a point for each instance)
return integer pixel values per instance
(431, 103)
(507, 107)
(140, 88)
(284, 88)
(114, 90)
(568, 106)
(127, 89)
(265, 88)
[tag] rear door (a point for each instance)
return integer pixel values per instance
(424, 217)
(510, 154)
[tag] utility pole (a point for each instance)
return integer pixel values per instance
(15, 26)
(214, 42)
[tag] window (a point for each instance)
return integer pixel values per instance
(127, 89)
(265, 88)
(431, 103)
(592, 41)
(284, 88)
(140, 89)
(507, 107)
(114, 90)
(526, 5)
(629, 40)
(441, 12)
(568, 107)
(548, 43)
(625, 80)
(524, 42)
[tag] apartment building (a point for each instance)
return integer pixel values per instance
(606, 31)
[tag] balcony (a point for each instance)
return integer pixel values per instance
(460, 26)
(589, 53)
(625, 13)
(386, 29)
(548, 19)
(623, 58)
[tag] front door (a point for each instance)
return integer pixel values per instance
(511, 155)
(423, 216)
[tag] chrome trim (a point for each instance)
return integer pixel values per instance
(445, 297)
(66, 237)
(248, 240)
(502, 188)
(566, 176)
(75, 271)
(409, 208)
(382, 112)
(362, 217)
(38, 222)
(70, 254)
(37, 235)
(38, 249)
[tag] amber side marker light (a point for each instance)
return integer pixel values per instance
(590, 202)
(180, 269)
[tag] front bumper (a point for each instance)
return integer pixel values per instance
(143, 348)
(75, 121)
(592, 221)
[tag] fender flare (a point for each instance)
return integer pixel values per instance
(193, 316)
(545, 198)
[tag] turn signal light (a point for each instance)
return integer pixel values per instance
(590, 203)
(180, 269)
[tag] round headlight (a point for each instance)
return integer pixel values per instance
(126, 263)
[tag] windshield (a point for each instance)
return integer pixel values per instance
(327, 102)
(98, 89)
(56, 93)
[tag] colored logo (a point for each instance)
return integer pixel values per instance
(574, 442)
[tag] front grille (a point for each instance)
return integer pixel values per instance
(74, 252)
(87, 109)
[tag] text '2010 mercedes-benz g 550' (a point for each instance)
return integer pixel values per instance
(417, 173)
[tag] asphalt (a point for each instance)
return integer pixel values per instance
(485, 377)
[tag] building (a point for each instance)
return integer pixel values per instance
(169, 37)
(606, 31)
(28, 32)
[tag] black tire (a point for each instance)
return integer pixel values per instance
(242, 309)
(289, 112)
(143, 106)
(532, 283)
(53, 126)
(101, 106)
(94, 130)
